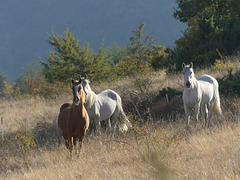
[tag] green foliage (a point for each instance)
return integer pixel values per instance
(211, 25)
(160, 57)
(169, 91)
(230, 84)
(21, 84)
(130, 67)
(116, 53)
(223, 64)
(69, 60)
(31, 82)
(98, 69)
(141, 42)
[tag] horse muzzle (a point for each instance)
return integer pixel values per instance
(76, 101)
(188, 85)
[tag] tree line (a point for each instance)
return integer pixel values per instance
(213, 30)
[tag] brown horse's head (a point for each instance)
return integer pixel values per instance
(78, 93)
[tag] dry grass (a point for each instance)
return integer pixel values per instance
(156, 149)
(209, 155)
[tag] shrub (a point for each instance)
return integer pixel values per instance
(24, 139)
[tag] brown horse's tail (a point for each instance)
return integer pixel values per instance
(124, 123)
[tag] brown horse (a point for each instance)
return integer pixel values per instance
(73, 118)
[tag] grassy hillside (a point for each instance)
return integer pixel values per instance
(156, 147)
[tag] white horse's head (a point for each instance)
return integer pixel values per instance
(86, 86)
(188, 75)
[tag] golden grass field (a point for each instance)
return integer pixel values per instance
(156, 148)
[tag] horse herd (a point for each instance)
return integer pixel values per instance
(74, 117)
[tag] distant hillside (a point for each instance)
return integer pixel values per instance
(24, 26)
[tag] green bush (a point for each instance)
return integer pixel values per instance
(230, 84)
(24, 139)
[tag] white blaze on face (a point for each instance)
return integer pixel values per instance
(76, 94)
(188, 75)
(76, 90)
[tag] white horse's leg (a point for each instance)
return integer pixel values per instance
(108, 124)
(98, 125)
(197, 110)
(205, 108)
(210, 107)
(114, 119)
(187, 114)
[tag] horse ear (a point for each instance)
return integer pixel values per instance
(191, 65)
(85, 76)
(183, 65)
(72, 81)
(80, 80)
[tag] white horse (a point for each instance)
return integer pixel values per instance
(200, 93)
(107, 105)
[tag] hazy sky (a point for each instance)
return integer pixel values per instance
(25, 24)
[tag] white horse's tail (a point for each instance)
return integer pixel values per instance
(216, 107)
(124, 123)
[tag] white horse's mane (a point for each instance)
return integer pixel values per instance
(105, 105)
(91, 96)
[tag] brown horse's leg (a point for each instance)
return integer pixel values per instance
(81, 137)
(75, 145)
(70, 146)
(67, 142)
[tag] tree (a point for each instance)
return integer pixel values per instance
(5, 87)
(29, 79)
(69, 60)
(141, 42)
(142, 55)
(212, 25)
(137, 61)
